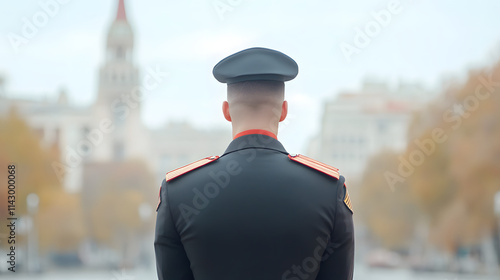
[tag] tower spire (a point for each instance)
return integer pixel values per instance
(121, 14)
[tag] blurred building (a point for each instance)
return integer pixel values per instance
(356, 125)
(111, 129)
(118, 105)
(186, 144)
(57, 123)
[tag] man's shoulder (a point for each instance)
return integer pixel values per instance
(316, 165)
(294, 159)
(189, 167)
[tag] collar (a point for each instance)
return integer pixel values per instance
(255, 141)
(256, 131)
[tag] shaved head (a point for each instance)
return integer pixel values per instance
(255, 104)
(250, 87)
(255, 97)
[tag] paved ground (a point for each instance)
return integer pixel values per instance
(361, 273)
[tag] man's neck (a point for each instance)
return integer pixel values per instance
(240, 129)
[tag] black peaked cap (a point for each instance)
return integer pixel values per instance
(256, 64)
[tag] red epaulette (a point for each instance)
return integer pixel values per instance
(327, 169)
(190, 167)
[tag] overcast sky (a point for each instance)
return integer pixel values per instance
(423, 42)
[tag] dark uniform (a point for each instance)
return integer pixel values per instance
(256, 212)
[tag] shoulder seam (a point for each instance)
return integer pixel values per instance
(336, 209)
(170, 211)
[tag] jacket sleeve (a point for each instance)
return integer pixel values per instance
(338, 258)
(172, 262)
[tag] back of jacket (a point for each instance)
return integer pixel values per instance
(254, 213)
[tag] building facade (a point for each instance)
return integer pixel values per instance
(111, 129)
(357, 125)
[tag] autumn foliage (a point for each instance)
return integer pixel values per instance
(453, 185)
(114, 209)
(58, 219)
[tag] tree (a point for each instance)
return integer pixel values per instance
(58, 223)
(456, 183)
(114, 194)
(388, 212)
(20, 146)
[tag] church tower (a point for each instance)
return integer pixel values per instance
(118, 99)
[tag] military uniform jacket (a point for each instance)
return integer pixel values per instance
(254, 213)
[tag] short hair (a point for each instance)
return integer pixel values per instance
(249, 87)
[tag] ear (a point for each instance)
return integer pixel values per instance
(284, 110)
(225, 111)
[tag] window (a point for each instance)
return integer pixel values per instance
(119, 116)
(120, 54)
(119, 151)
(382, 126)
